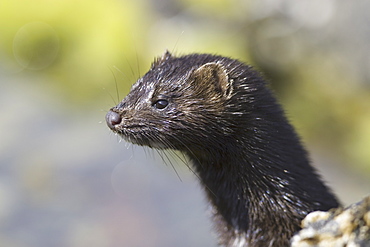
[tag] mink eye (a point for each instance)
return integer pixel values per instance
(160, 104)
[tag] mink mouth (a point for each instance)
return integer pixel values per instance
(141, 135)
(133, 127)
(134, 130)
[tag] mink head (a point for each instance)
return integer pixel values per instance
(195, 102)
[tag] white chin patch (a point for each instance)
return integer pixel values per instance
(240, 241)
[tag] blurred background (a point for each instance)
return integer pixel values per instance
(66, 180)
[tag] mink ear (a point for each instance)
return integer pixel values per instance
(213, 78)
(157, 61)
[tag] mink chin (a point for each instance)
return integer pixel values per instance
(222, 115)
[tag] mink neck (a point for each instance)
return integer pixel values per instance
(259, 195)
(238, 189)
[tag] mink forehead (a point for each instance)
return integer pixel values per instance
(180, 68)
(171, 74)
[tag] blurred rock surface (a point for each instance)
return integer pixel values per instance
(340, 227)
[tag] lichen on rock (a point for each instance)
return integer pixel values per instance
(338, 227)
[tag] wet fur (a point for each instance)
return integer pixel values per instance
(222, 115)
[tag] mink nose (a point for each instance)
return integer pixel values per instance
(112, 118)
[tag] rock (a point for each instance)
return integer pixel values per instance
(348, 227)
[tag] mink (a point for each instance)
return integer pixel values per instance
(222, 115)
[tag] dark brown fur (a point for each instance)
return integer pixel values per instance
(221, 114)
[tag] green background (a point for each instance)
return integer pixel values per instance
(66, 180)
